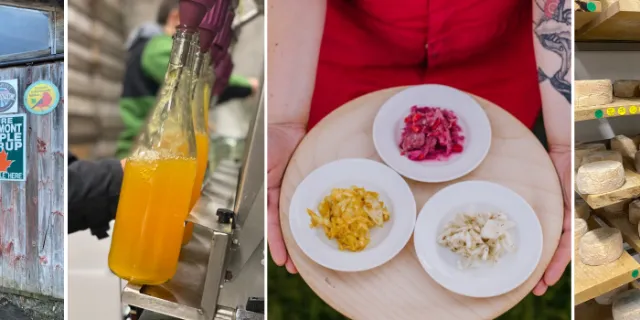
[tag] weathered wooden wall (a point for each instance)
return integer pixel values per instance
(96, 66)
(31, 215)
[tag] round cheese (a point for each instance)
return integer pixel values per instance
(618, 208)
(607, 298)
(626, 88)
(634, 211)
(626, 305)
(602, 156)
(582, 150)
(624, 145)
(582, 210)
(599, 177)
(600, 246)
(592, 92)
(580, 229)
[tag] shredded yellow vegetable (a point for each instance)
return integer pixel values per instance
(347, 215)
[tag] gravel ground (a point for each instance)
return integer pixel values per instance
(25, 308)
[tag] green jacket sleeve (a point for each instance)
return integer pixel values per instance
(239, 81)
(156, 56)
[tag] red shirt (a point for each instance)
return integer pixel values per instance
(482, 47)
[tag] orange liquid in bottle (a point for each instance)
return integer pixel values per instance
(153, 205)
(202, 145)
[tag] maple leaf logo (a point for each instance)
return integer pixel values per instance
(4, 162)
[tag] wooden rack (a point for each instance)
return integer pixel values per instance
(618, 22)
(618, 108)
(593, 281)
(584, 17)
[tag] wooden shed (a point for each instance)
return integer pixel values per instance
(31, 216)
(96, 45)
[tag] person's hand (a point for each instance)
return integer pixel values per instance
(561, 158)
(255, 85)
(123, 162)
(282, 141)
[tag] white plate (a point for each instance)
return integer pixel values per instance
(389, 122)
(486, 280)
(385, 243)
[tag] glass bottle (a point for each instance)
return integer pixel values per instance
(158, 179)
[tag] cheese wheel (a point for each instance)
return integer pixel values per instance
(600, 246)
(626, 305)
(607, 298)
(626, 88)
(625, 146)
(601, 156)
(582, 150)
(636, 140)
(634, 211)
(599, 177)
(593, 92)
(618, 208)
(582, 210)
(580, 229)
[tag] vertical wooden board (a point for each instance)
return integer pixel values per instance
(41, 125)
(57, 143)
(8, 238)
(31, 208)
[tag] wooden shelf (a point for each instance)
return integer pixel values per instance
(618, 108)
(630, 190)
(591, 310)
(593, 281)
(620, 21)
(584, 17)
(629, 231)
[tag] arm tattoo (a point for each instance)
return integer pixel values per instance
(553, 30)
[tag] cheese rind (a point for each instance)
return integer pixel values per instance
(618, 208)
(600, 246)
(593, 92)
(607, 298)
(626, 305)
(634, 212)
(582, 210)
(625, 146)
(602, 156)
(599, 177)
(626, 88)
(580, 229)
(582, 150)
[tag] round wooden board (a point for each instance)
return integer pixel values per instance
(401, 288)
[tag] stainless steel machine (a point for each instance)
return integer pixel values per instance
(221, 271)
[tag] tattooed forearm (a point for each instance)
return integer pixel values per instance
(552, 28)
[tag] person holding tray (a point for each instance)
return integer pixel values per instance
(323, 54)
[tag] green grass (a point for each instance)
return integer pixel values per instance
(289, 298)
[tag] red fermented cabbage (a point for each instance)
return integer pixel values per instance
(431, 133)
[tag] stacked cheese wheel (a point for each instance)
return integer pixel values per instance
(600, 170)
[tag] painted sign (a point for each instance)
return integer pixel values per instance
(13, 154)
(41, 97)
(9, 96)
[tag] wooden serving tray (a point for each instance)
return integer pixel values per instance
(401, 288)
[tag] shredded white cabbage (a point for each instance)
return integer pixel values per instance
(478, 237)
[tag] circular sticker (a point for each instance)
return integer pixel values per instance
(622, 111)
(41, 97)
(633, 109)
(611, 111)
(8, 96)
(599, 114)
